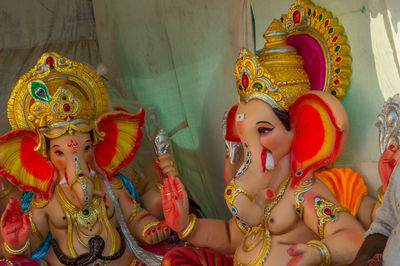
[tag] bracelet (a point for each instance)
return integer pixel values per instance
(148, 226)
(17, 251)
(379, 194)
(189, 228)
(325, 254)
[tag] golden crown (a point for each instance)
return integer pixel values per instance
(57, 93)
(278, 74)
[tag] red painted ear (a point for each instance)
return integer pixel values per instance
(317, 136)
(231, 133)
(121, 140)
(22, 165)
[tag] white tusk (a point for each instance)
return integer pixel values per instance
(269, 162)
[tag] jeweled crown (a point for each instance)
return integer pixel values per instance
(57, 93)
(279, 75)
(275, 75)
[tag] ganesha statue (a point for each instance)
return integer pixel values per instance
(289, 205)
(66, 148)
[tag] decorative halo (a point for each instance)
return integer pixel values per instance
(321, 42)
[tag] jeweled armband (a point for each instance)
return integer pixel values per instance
(326, 212)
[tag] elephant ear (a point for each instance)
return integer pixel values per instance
(231, 133)
(317, 136)
(121, 140)
(22, 165)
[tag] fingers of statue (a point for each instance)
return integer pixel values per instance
(167, 164)
(174, 191)
(386, 164)
(14, 225)
(179, 188)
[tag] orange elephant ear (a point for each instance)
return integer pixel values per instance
(121, 140)
(317, 137)
(22, 165)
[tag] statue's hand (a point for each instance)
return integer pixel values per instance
(15, 226)
(303, 255)
(157, 233)
(175, 204)
(166, 166)
(386, 164)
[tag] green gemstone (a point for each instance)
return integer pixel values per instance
(309, 12)
(337, 48)
(333, 93)
(240, 87)
(330, 30)
(85, 212)
(332, 216)
(51, 67)
(320, 17)
(298, 210)
(258, 86)
(282, 19)
(337, 70)
(64, 98)
(319, 202)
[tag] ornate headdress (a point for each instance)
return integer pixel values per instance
(57, 93)
(304, 50)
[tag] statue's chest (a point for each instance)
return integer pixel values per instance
(250, 211)
(65, 214)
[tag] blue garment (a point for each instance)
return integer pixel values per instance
(129, 187)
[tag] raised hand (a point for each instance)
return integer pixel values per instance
(157, 233)
(386, 164)
(175, 203)
(304, 255)
(165, 165)
(15, 226)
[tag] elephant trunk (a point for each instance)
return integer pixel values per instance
(81, 182)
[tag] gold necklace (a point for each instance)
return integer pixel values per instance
(87, 218)
(262, 231)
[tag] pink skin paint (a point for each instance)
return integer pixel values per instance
(269, 193)
(263, 158)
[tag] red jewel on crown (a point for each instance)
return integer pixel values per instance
(50, 61)
(245, 80)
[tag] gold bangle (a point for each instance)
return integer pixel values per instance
(379, 194)
(117, 185)
(189, 228)
(17, 251)
(325, 254)
(148, 226)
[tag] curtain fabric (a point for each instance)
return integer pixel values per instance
(179, 56)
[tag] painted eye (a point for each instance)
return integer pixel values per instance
(87, 148)
(263, 130)
(59, 153)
